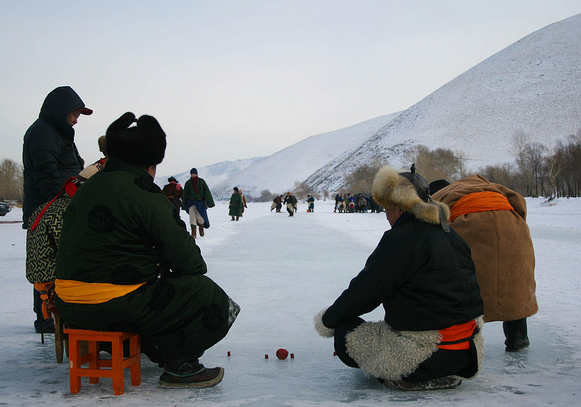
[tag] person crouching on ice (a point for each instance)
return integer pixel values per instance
(423, 275)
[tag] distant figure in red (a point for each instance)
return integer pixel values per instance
(174, 192)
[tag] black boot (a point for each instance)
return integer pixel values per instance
(516, 335)
(189, 374)
(448, 382)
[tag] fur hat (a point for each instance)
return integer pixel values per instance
(141, 145)
(193, 171)
(438, 184)
(409, 192)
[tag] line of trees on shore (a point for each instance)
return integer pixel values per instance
(537, 171)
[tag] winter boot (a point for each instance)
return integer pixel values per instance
(516, 335)
(448, 382)
(201, 231)
(193, 231)
(181, 375)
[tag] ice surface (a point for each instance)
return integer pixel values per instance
(282, 271)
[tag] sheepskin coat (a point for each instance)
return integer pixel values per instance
(421, 274)
(502, 250)
(423, 277)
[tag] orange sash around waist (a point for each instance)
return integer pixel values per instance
(480, 202)
(79, 292)
(457, 337)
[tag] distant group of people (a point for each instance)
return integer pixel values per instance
(348, 203)
(111, 246)
(291, 203)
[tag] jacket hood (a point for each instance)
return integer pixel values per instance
(57, 105)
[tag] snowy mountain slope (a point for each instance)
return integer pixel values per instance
(212, 174)
(279, 172)
(532, 86)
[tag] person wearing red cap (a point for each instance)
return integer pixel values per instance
(50, 158)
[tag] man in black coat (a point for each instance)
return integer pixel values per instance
(50, 157)
(423, 275)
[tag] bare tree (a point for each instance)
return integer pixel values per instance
(437, 164)
(361, 179)
(11, 180)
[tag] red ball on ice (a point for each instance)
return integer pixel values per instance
(282, 354)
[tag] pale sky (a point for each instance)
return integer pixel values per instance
(235, 79)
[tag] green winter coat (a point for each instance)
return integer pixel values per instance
(235, 205)
(121, 229)
(190, 194)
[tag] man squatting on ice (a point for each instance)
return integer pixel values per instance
(127, 262)
(423, 275)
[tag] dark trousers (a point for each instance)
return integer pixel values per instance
(442, 363)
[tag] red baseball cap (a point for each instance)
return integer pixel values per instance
(85, 110)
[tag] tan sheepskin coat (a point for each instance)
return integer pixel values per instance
(502, 250)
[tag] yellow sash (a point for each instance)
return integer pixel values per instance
(79, 292)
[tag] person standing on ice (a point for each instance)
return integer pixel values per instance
(423, 275)
(196, 199)
(290, 201)
(311, 203)
(235, 205)
(126, 261)
(491, 218)
(174, 191)
(50, 158)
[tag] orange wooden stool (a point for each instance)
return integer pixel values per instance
(117, 363)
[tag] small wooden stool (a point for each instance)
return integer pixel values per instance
(117, 363)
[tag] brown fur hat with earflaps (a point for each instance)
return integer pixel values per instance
(409, 192)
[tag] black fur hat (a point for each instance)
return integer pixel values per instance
(141, 145)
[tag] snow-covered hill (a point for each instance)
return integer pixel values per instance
(531, 87)
(212, 174)
(279, 172)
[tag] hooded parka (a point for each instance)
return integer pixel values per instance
(49, 154)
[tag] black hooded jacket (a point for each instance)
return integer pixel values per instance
(49, 154)
(423, 276)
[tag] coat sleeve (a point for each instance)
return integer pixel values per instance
(177, 249)
(208, 195)
(44, 153)
(378, 280)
